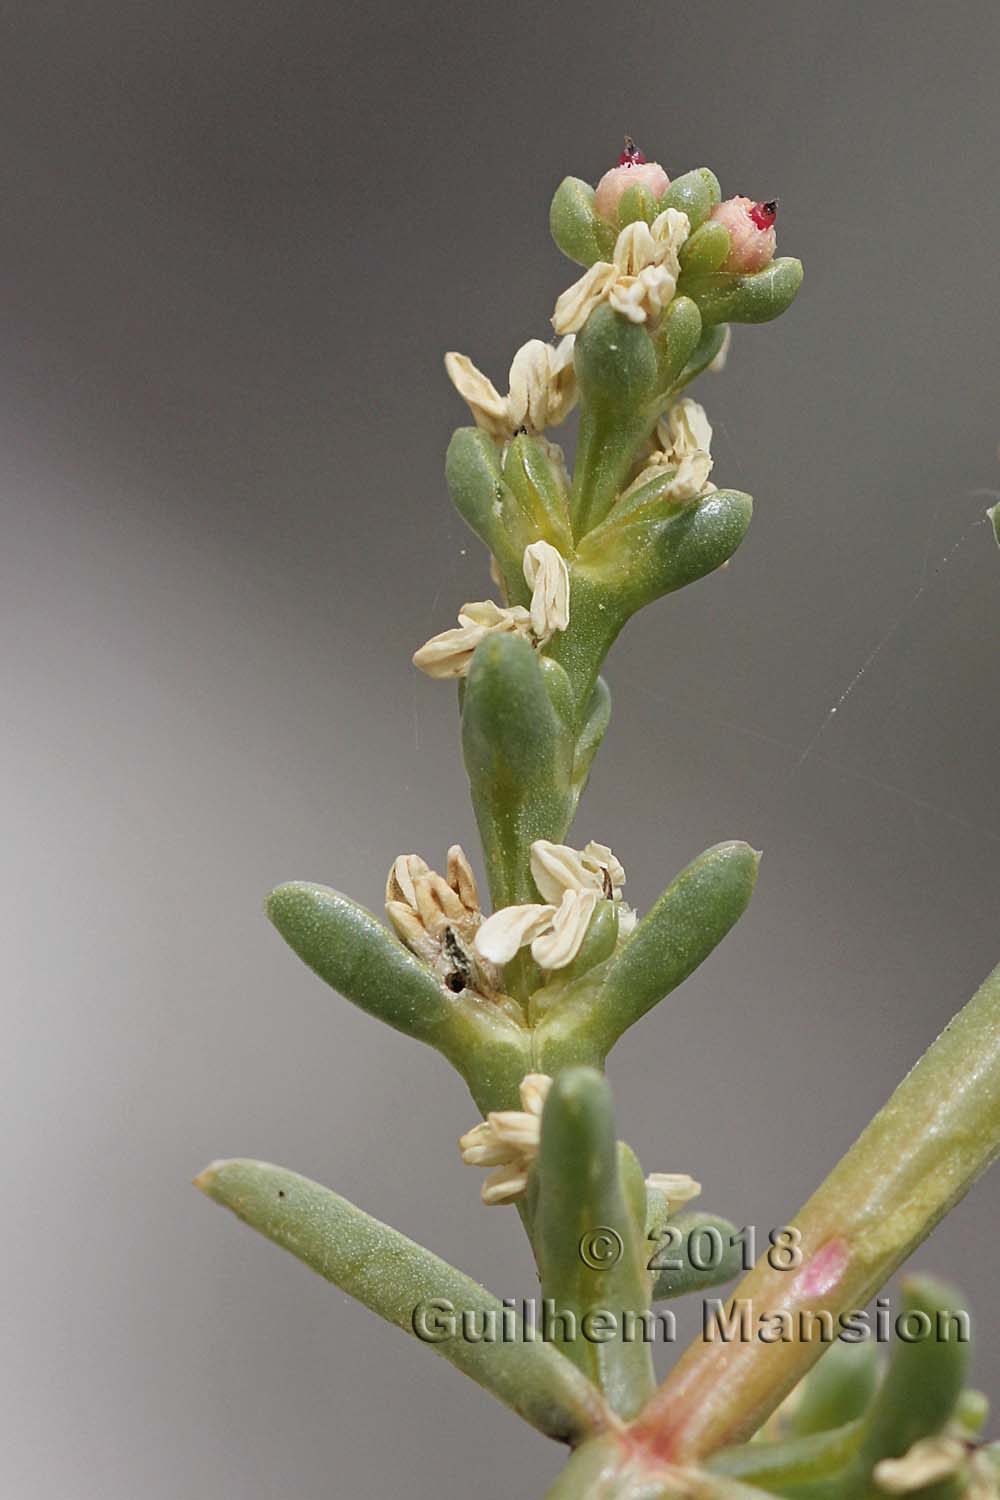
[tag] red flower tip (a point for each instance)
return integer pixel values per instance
(764, 214)
(631, 156)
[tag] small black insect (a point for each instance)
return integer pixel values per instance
(458, 976)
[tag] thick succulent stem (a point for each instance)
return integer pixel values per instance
(917, 1158)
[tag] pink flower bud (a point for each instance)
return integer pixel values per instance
(751, 233)
(632, 168)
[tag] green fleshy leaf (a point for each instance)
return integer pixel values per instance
(676, 340)
(582, 1217)
(541, 486)
(613, 360)
(815, 1466)
(690, 1252)
(689, 920)
(972, 1411)
(400, 1281)
(994, 516)
(349, 948)
(708, 347)
(727, 297)
(488, 505)
(576, 229)
(633, 1182)
(838, 1390)
(617, 373)
(637, 202)
(651, 545)
(924, 1379)
(595, 724)
(518, 755)
(352, 951)
(559, 689)
(695, 194)
(705, 251)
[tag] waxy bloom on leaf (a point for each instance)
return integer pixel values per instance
(508, 1140)
(640, 279)
(547, 575)
(542, 389)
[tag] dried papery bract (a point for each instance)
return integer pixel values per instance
(525, 981)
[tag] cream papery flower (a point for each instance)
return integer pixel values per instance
(684, 434)
(718, 364)
(931, 1460)
(449, 654)
(437, 919)
(546, 574)
(508, 1139)
(685, 429)
(555, 933)
(574, 881)
(542, 390)
(639, 280)
(556, 868)
(677, 1187)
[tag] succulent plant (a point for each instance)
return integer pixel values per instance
(527, 999)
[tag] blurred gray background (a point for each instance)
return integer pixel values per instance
(237, 241)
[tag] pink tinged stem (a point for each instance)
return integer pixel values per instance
(917, 1158)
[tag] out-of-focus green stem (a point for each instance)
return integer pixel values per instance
(610, 1468)
(838, 1391)
(794, 1462)
(916, 1159)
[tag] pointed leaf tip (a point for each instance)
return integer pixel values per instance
(680, 930)
(203, 1181)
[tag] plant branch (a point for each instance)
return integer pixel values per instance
(393, 1277)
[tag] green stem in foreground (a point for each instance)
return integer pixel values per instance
(917, 1158)
(591, 1249)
